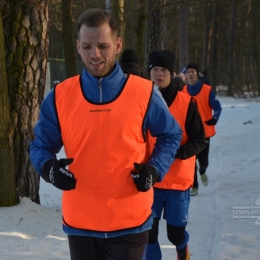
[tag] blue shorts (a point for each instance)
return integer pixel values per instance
(175, 205)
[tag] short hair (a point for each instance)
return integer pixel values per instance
(95, 18)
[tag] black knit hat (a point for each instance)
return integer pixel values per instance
(204, 72)
(129, 55)
(193, 65)
(163, 58)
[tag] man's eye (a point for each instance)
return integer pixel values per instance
(102, 47)
(86, 47)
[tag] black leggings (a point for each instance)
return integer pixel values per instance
(176, 235)
(127, 247)
(203, 160)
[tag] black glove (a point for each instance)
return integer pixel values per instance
(211, 121)
(144, 177)
(178, 154)
(54, 171)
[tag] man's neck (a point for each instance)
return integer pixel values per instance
(192, 83)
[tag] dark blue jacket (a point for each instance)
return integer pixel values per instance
(213, 101)
(161, 124)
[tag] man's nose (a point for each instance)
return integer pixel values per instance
(95, 52)
(157, 72)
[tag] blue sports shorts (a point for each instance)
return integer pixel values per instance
(174, 204)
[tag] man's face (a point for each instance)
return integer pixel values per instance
(160, 76)
(191, 76)
(98, 48)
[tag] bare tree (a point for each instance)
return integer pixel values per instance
(206, 29)
(68, 38)
(116, 9)
(202, 35)
(8, 196)
(140, 31)
(25, 31)
(183, 34)
(121, 21)
(155, 27)
(233, 21)
(255, 34)
(213, 47)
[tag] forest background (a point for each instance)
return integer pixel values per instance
(222, 36)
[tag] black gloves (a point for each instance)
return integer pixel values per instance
(211, 121)
(178, 154)
(144, 177)
(54, 171)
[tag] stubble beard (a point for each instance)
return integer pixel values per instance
(108, 67)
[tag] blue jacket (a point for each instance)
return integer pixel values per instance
(213, 101)
(48, 140)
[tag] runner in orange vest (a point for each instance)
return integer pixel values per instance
(172, 195)
(210, 110)
(102, 117)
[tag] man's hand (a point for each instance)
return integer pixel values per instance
(212, 121)
(144, 177)
(54, 171)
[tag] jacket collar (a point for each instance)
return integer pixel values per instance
(115, 76)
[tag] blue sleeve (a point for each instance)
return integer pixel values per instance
(215, 104)
(48, 141)
(167, 131)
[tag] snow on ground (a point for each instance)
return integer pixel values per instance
(224, 220)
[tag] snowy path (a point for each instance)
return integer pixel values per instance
(214, 234)
(29, 231)
(203, 215)
(233, 181)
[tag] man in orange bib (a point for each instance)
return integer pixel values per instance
(210, 110)
(102, 117)
(172, 195)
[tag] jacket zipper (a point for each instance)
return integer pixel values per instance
(100, 90)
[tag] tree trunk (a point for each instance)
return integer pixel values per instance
(25, 29)
(8, 195)
(155, 27)
(213, 47)
(121, 31)
(116, 9)
(250, 46)
(109, 6)
(254, 15)
(183, 34)
(140, 32)
(231, 48)
(206, 28)
(68, 39)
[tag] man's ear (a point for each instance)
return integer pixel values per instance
(118, 45)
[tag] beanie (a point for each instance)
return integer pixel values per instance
(163, 58)
(129, 55)
(193, 65)
(204, 72)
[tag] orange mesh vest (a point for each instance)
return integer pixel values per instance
(202, 99)
(181, 173)
(104, 140)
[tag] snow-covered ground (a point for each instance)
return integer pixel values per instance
(224, 220)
